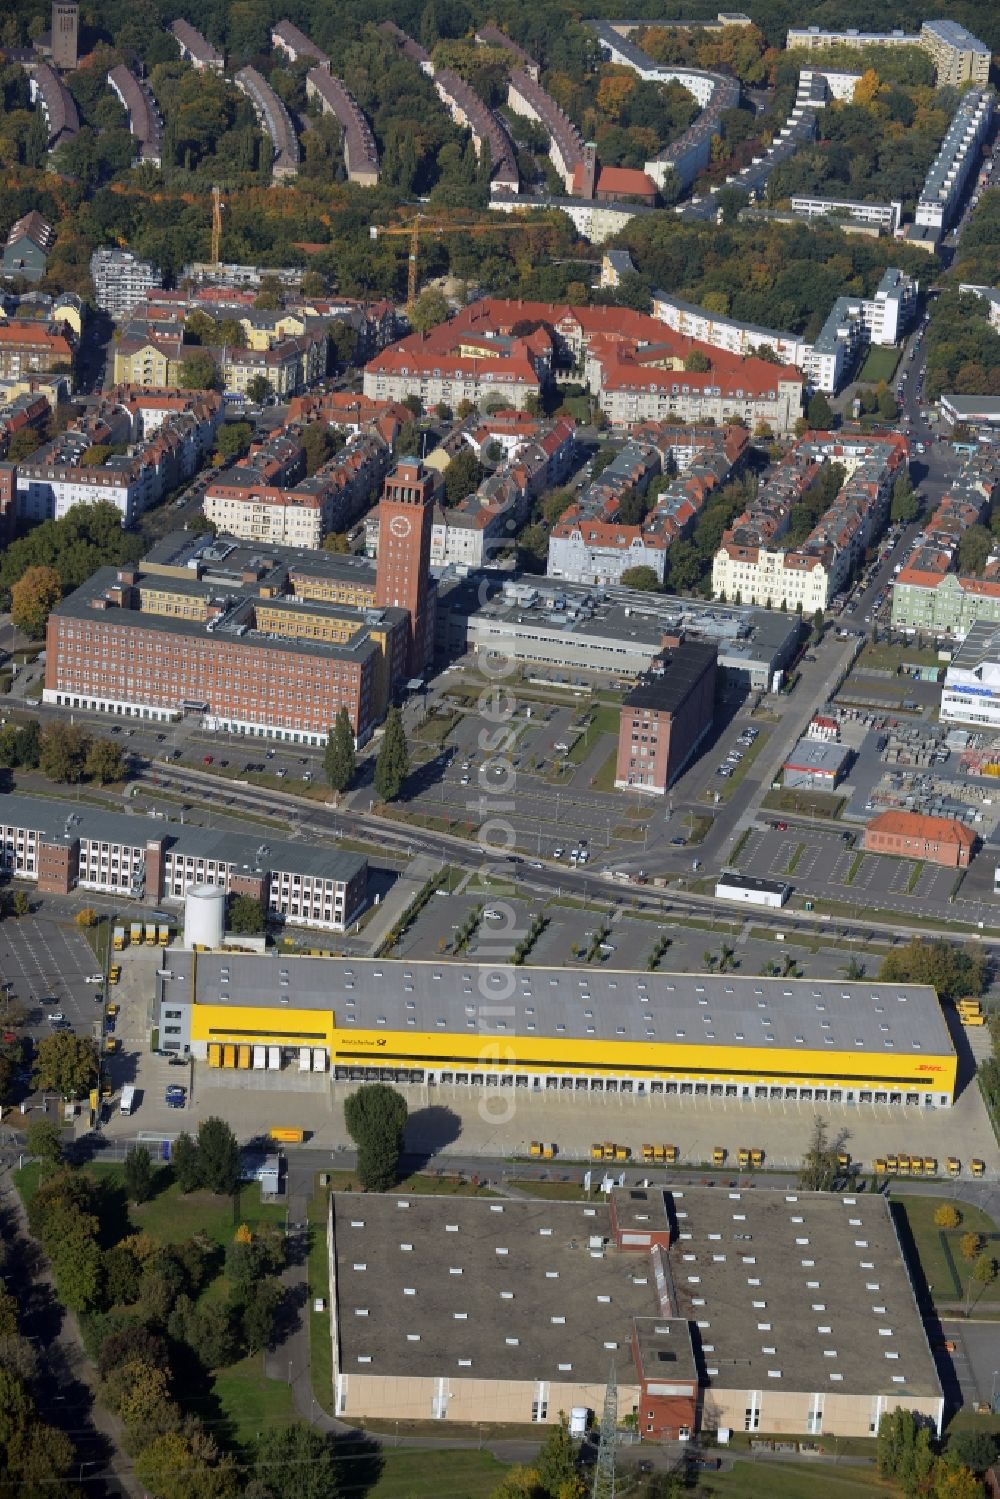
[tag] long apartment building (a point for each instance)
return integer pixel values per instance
(488, 132)
(958, 56)
(167, 436)
(955, 162)
(882, 216)
(633, 363)
(690, 153)
(930, 595)
(49, 94)
(63, 846)
(852, 324)
(144, 121)
(274, 119)
(640, 382)
(753, 566)
(526, 97)
(247, 503)
(590, 543)
(361, 157)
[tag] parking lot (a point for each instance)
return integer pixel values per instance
(46, 962)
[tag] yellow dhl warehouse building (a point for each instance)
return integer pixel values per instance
(496, 1026)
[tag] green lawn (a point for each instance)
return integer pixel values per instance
(945, 1272)
(884, 657)
(250, 1402)
(804, 803)
(604, 780)
(171, 1217)
(879, 365)
(763, 1480)
(430, 1475)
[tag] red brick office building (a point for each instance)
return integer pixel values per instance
(665, 717)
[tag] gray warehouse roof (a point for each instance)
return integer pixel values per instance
(864, 1017)
(794, 1291)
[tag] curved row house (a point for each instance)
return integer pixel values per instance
(525, 96)
(273, 118)
(287, 38)
(143, 115)
(491, 36)
(408, 46)
(360, 151)
(194, 47)
(468, 111)
(50, 94)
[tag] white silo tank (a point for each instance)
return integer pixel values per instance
(204, 916)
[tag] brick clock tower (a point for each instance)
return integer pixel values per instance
(406, 516)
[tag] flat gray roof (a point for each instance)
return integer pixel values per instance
(65, 821)
(866, 1017)
(794, 1291)
(817, 754)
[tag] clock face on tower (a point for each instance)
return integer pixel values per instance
(400, 526)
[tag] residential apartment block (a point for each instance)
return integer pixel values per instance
(195, 49)
(26, 251)
(591, 543)
(274, 119)
(955, 162)
(988, 294)
(929, 595)
(884, 216)
(28, 347)
(144, 120)
(63, 846)
(852, 324)
(958, 56)
(49, 93)
(752, 566)
(246, 502)
(168, 436)
(121, 281)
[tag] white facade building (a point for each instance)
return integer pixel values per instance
(951, 168)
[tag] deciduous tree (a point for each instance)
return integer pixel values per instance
(63, 752)
(32, 599)
(375, 1115)
(66, 1064)
(105, 762)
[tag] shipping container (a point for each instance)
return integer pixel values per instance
(163, 934)
(229, 1055)
(259, 1058)
(128, 1099)
(135, 933)
(214, 1054)
(719, 1156)
(118, 938)
(287, 1135)
(274, 1057)
(319, 1059)
(243, 1056)
(150, 934)
(305, 1059)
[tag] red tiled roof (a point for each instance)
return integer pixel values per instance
(918, 825)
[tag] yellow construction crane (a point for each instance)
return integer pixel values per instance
(216, 225)
(423, 225)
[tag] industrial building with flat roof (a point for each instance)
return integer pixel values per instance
(763, 1311)
(556, 625)
(495, 1026)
